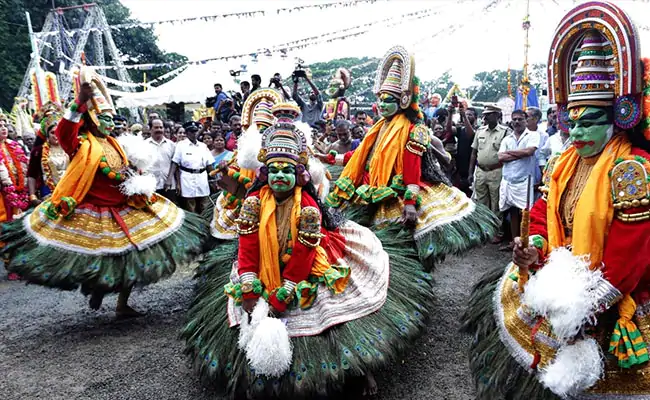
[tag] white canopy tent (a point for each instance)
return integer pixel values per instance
(196, 82)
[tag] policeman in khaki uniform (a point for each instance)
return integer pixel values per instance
(485, 161)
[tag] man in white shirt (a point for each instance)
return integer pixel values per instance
(517, 154)
(543, 153)
(194, 161)
(164, 148)
(559, 142)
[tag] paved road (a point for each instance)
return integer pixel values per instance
(53, 347)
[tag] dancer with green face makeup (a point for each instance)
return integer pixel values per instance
(309, 303)
(103, 229)
(567, 319)
(591, 128)
(106, 124)
(394, 179)
(282, 177)
(338, 106)
(236, 176)
(388, 105)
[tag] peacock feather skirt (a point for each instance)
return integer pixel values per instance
(346, 336)
(102, 248)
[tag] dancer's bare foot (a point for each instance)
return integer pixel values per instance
(96, 299)
(127, 312)
(370, 386)
(123, 310)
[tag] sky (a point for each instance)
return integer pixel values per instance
(451, 35)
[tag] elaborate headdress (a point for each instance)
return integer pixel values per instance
(257, 108)
(47, 103)
(46, 99)
(48, 122)
(101, 101)
(396, 75)
(594, 60)
(284, 142)
(342, 78)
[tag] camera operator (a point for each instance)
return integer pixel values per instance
(256, 80)
(276, 82)
(311, 111)
(245, 87)
(238, 101)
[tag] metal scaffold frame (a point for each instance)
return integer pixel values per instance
(94, 24)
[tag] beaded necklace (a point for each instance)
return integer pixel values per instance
(575, 187)
(111, 162)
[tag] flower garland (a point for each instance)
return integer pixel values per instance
(45, 164)
(16, 194)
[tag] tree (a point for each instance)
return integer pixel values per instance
(363, 72)
(442, 85)
(138, 45)
(493, 85)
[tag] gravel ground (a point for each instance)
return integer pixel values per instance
(53, 347)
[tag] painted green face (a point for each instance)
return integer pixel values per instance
(106, 124)
(590, 131)
(333, 88)
(388, 105)
(282, 177)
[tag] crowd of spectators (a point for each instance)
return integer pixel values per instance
(499, 165)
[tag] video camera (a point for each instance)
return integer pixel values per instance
(299, 72)
(276, 81)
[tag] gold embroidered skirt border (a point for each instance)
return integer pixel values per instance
(94, 230)
(515, 330)
(440, 205)
(222, 225)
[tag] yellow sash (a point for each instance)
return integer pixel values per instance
(268, 236)
(594, 210)
(80, 174)
(388, 157)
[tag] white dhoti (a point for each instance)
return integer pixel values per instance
(514, 194)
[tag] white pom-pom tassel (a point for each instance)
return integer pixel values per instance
(576, 368)
(319, 177)
(245, 331)
(563, 292)
(140, 154)
(139, 184)
(269, 349)
(248, 148)
(246, 328)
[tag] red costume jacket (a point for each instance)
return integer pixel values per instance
(626, 257)
(104, 191)
(299, 266)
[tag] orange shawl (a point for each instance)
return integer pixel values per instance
(594, 211)
(270, 247)
(388, 157)
(80, 174)
(268, 236)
